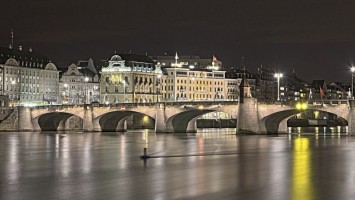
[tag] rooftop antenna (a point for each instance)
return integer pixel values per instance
(243, 65)
(176, 59)
(12, 38)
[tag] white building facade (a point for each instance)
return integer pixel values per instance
(130, 78)
(76, 88)
(27, 77)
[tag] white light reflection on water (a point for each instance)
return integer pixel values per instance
(208, 165)
(86, 160)
(65, 157)
(13, 164)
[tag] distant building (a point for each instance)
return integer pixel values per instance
(173, 59)
(130, 78)
(28, 77)
(234, 76)
(265, 85)
(337, 90)
(79, 84)
(294, 88)
(190, 78)
(189, 84)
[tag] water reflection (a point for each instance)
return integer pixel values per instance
(302, 185)
(204, 165)
(341, 130)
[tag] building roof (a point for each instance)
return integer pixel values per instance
(164, 69)
(25, 58)
(136, 58)
(235, 72)
(318, 83)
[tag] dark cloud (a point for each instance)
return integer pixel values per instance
(316, 38)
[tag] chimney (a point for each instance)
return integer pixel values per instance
(20, 48)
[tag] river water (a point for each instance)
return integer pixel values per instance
(211, 164)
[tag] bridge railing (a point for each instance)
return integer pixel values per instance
(312, 102)
(168, 103)
(134, 105)
(328, 101)
(192, 103)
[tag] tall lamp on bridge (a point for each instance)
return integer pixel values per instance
(13, 89)
(278, 76)
(66, 88)
(157, 85)
(124, 91)
(86, 80)
(352, 69)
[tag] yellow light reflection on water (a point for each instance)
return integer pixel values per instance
(302, 186)
(145, 137)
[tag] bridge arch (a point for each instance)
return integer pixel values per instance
(186, 121)
(277, 122)
(56, 121)
(115, 121)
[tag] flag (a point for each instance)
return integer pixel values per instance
(214, 59)
(321, 92)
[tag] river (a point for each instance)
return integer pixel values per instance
(211, 164)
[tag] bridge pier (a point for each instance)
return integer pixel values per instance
(24, 119)
(192, 126)
(63, 124)
(351, 122)
(160, 118)
(248, 121)
(88, 118)
(122, 125)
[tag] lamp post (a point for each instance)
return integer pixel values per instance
(352, 69)
(124, 91)
(278, 76)
(66, 88)
(86, 80)
(157, 85)
(190, 80)
(12, 88)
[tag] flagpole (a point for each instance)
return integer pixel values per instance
(176, 62)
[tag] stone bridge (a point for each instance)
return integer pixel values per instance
(168, 116)
(252, 116)
(260, 117)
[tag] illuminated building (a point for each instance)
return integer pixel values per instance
(28, 77)
(169, 60)
(130, 78)
(190, 78)
(79, 84)
(185, 84)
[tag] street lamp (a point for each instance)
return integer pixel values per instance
(157, 85)
(66, 88)
(124, 91)
(352, 69)
(12, 88)
(278, 76)
(86, 80)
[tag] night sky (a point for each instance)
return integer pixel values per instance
(315, 38)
